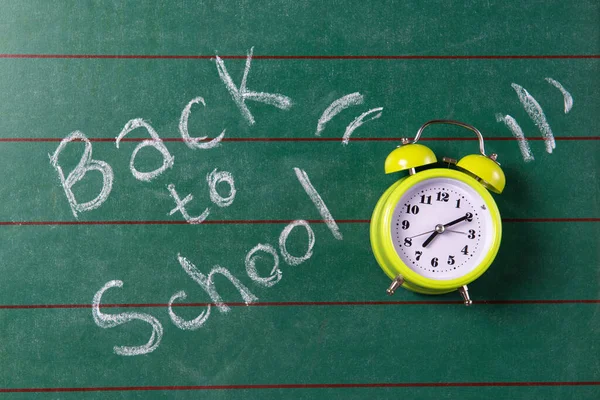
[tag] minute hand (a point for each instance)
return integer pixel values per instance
(456, 221)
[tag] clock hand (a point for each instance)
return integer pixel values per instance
(453, 231)
(456, 221)
(430, 238)
(441, 228)
(421, 234)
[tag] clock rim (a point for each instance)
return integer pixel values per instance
(382, 241)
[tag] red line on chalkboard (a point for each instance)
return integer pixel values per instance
(296, 386)
(509, 220)
(306, 57)
(307, 139)
(301, 304)
(256, 222)
(179, 222)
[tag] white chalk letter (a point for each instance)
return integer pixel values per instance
(352, 99)
(290, 259)
(112, 320)
(359, 121)
(182, 323)
(156, 142)
(196, 143)
(319, 203)
(213, 179)
(181, 207)
(241, 94)
(85, 164)
(207, 283)
(274, 276)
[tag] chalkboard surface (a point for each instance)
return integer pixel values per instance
(114, 214)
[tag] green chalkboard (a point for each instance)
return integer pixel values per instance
(319, 323)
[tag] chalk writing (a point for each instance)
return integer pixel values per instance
(207, 283)
(535, 112)
(112, 320)
(241, 94)
(319, 203)
(180, 207)
(196, 143)
(567, 98)
(339, 105)
(86, 163)
(213, 179)
(156, 142)
(533, 108)
(517, 132)
(359, 121)
(181, 323)
(275, 274)
(290, 259)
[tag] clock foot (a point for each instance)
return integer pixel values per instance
(464, 292)
(396, 283)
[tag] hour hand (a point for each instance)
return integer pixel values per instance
(430, 238)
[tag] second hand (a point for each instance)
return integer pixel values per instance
(421, 234)
(447, 230)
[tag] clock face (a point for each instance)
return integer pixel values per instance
(442, 229)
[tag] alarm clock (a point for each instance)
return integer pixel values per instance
(438, 229)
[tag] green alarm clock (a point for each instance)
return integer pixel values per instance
(438, 229)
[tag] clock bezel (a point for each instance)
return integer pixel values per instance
(382, 240)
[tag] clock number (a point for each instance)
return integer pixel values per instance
(418, 255)
(465, 250)
(406, 225)
(451, 260)
(469, 217)
(407, 242)
(458, 203)
(412, 210)
(425, 199)
(471, 234)
(442, 196)
(434, 262)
